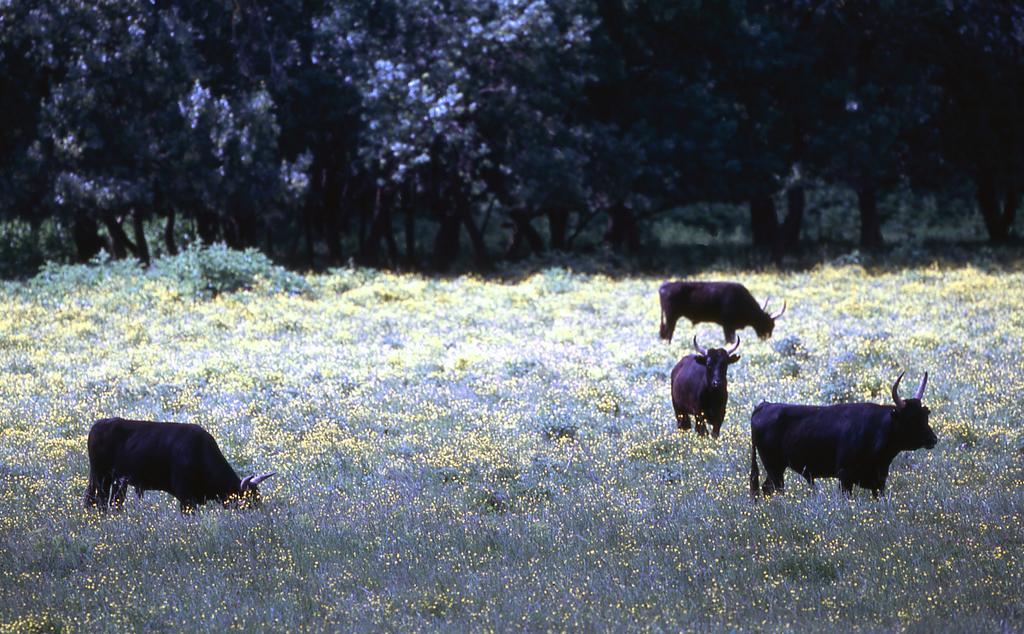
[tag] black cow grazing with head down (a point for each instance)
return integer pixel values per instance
(855, 442)
(700, 387)
(181, 459)
(728, 304)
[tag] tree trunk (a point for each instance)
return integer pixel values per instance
(410, 229)
(476, 239)
(371, 243)
(796, 202)
(389, 240)
(85, 233)
(119, 242)
(988, 203)
(446, 242)
(364, 208)
(1010, 204)
(787, 235)
(523, 227)
(763, 221)
(523, 233)
(309, 237)
(169, 242)
(248, 224)
(141, 246)
(384, 228)
(870, 223)
(331, 211)
(206, 226)
(622, 230)
(558, 223)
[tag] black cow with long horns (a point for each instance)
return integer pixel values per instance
(728, 304)
(181, 459)
(855, 442)
(700, 387)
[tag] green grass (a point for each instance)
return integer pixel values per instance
(473, 455)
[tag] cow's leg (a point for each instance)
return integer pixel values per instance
(716, 424)
(878, 486)
(774, 479)
(730, 333)
(682, 420)
(682, 417)
(117, 492)
(846, 481)
(806, 473)
(846, 485)
(98, 492)
(668, 328)
(877, 489)
(702, 424)
(92, 491)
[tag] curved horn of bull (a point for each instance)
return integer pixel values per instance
(250, 482)
(260, 478)
(920, 388)
(733, 349)
(896, 391)
(696, 346)
(764, 307)
(779, 314)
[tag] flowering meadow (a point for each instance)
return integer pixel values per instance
(477, 454)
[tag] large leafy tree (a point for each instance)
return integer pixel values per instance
(462, 111)
(322, 130)
(979, 50)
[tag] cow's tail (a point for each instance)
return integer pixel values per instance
(661, 304)
(91, 497)
(755, 475)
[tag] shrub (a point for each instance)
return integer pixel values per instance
(216, 269)
(58, 279)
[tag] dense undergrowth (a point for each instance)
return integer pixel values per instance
(480, 454)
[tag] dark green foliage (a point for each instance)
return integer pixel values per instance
(418, 133)
(211, 271)
(196, 272)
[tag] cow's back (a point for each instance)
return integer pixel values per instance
(816, 437)
(720, 302)
(734, 300)
(161, 456)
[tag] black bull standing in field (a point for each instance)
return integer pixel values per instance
(181, 459)
(855, 442)
(728, 304)
(700, 387)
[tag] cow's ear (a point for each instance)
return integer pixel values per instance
(733, 358)
(701, 359)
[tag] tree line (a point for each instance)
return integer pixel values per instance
(399, 132)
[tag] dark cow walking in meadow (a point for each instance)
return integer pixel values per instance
(855, 442)
(728, 304)
(181, 459)
(700, 387)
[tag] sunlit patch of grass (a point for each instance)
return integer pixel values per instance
(468, 454)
